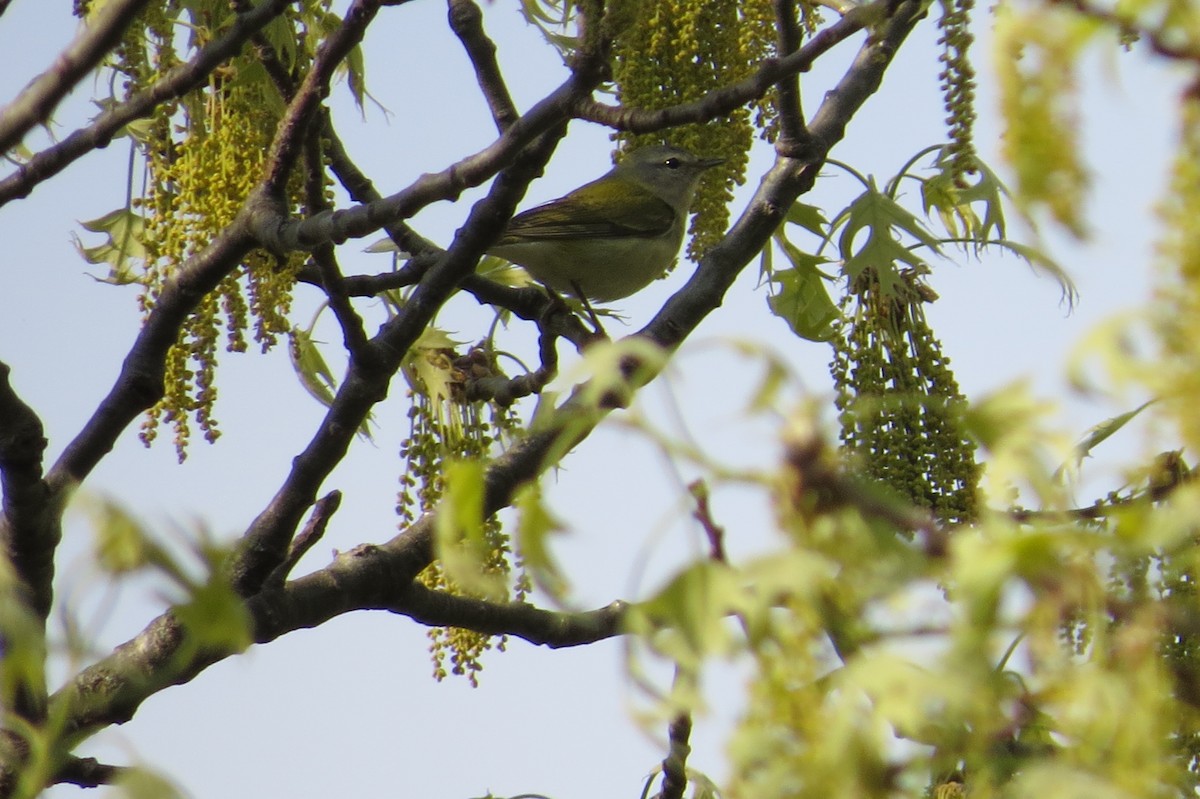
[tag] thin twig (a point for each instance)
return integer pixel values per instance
(674, 765)
(318, 521)
(703, 514)
(720, 102)
(354, 332)
(793, 134)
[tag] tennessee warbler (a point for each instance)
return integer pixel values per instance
(613, 236)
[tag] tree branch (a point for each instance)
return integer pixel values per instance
(176, 83)
(793, 134)
(366, 384)
(674, 765)
(286, 146)
(720, 102)
(36, 103)
(28, 531)
(548, 628)
(318, 521)
(466, 20)
(87, 772)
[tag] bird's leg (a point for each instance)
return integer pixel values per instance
(600, 332)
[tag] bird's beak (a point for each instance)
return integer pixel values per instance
(709, 163)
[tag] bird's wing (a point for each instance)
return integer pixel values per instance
(579, 216)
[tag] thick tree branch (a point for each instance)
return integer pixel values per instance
(28, 532)
(176, 83)
(369, 577)
(36, 103)
(552, 629)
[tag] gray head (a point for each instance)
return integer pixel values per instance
(671, 173)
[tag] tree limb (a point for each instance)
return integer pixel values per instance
(36, 103)
(466, 20)
(176, 83)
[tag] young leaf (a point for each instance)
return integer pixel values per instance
(881, 218)
(799, 296)
(461, 544)
(123, 230)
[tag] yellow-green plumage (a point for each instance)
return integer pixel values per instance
(613, 236)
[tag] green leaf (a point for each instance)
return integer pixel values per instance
(123, 248)
(215, 616)
(799, 296)
(1040, 262)
(535, 525)
(955, 203)
(459, 537)
(314, 372)
(141, 783)
(1100, 433)
(880, 219)
(809, 217)
(121, 544)
(429, 368)
(691, 612)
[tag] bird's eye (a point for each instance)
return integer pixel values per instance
(672, 163)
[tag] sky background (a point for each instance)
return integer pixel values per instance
(350, 708)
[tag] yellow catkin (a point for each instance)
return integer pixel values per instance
(204, 156)
(673, 51)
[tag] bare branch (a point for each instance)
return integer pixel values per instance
(322, 512)
(535, 625)
(36, 103)
(674, 765)
(466, 20)
(793, 135)
(28, 531)
(176, 83)
(720, 102)
(87, 772)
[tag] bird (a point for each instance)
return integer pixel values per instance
(612, 237)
